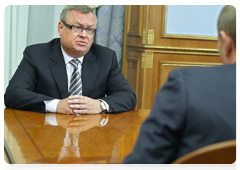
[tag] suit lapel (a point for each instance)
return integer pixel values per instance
(89, 73)
(58, 69)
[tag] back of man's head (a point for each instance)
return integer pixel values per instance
(227, 21)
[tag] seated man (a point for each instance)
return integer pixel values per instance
(196, 107)
(71, 74)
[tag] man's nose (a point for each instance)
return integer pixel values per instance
(83, 33)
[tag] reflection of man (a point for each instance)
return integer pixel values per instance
(50, 79)
(76, 140)
(196, 107)
(70, 147)
(76, 124)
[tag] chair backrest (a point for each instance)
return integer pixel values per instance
(219, 153)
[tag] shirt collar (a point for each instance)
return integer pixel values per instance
(68, 58)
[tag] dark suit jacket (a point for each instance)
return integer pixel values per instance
(42, 76)
(196, 107)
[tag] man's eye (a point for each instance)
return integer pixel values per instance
(77, 27)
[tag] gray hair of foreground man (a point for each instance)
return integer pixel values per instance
(227, 21)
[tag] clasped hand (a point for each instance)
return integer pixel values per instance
(79, 104)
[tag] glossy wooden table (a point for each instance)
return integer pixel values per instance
(28, 138)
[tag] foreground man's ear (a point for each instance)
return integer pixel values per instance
(229, 46)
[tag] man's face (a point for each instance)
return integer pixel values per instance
(77, 44)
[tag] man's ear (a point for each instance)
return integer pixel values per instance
(60, 28)
(227, 40)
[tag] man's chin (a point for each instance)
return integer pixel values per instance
(81, 52)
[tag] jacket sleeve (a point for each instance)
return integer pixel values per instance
(20, 91)
(160, 133)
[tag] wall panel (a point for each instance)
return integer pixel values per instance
(150, 56)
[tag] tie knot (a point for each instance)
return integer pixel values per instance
(74, 62)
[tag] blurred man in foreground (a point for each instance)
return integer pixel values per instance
(196, 107)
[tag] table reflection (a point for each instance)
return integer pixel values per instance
(101, 138)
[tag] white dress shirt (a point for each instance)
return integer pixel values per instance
(51, 105)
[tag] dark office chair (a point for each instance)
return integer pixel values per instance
(219, 153)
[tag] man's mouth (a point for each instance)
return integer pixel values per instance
(81, 43)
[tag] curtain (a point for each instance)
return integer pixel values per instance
(15, 38)
(110, 28)
(26, 25)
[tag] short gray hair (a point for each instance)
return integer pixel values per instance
(227, 21)
(81, 8)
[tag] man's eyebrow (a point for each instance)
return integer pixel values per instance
(82, 24)
(78, 23)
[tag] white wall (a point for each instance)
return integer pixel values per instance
(43, 22)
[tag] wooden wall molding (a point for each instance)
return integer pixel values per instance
(135, 24)
(175, 50)
(133, 70)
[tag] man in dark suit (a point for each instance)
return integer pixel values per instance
(195, 107)
(42, 80)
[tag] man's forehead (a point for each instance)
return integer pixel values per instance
(79, 17)
(76, 12)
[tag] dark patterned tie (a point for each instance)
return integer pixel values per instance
(76, 82)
